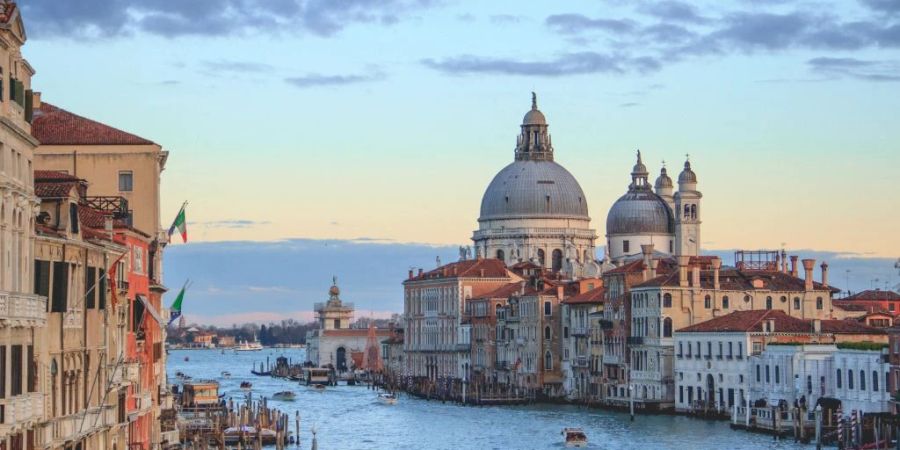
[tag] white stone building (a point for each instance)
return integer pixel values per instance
(861, 379)
(578, 346)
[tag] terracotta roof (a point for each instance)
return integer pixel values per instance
(55, 126)
(591, 297)
(877, 295)
(848, 306)
(731, 279)
(54, 175)
(753, 320)
(54, 190)
(504, 291)
(665, 265)
(470, 268)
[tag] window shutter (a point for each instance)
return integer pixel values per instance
(29, 105)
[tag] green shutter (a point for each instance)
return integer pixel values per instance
(20, 93)
(29, 105)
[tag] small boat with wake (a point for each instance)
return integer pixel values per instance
(226, 374)
(246, 386)
(317, 387)
(575, 437)
(387, 398)
(285, 396)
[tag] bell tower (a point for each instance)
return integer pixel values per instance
(687, 213)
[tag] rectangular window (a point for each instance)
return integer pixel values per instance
(60, 287)
(849, 379)
(101, 290)
(126, 181)
(90, 290)
(30, 366)
(625, 246)
(740, 350)
(15, 372)
(2, 371)
(767, 374)
(73, 217)
(838, 379)
(42, 277)
(680, 394)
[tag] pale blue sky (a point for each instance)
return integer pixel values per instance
(326, 119)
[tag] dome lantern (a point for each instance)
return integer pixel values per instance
(534, 143)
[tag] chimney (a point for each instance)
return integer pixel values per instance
(653, 264)
(560, 292)
(808, 265)
(794, 265)
(647, 251)
(824, 267)
(36, 100)
(716, 265)
(771, 326)
(695, 276)
(783, 261)
(410, 274)
(420, 271)
(817, 326)
(481, 272)
(682, 270)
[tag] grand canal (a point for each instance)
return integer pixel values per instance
(349, 417)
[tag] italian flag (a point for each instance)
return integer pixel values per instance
(175, 309)
(179, 224)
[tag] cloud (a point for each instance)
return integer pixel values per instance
(673, 11)
(315, 79)
(171, 18)
(223, 65)
(629, 105)
(270, 289)
(856, 68)
(567, 64)
(504, 19)
(885, 6)
(578, 23)
(231, 223)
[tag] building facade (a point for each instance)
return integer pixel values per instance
(581, 352)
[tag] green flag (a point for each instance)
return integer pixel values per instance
(179, 224)
(175, 309)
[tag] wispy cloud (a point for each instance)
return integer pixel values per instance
(567, 64)
(316, 80)
(629, 105)
(223, 65)
(230, 223)
(857, 68)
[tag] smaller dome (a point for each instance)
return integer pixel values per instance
(663, 181)
(334, 291)
(687, 175)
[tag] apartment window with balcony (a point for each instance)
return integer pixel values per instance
(126, 181)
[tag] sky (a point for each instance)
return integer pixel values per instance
(385, 120)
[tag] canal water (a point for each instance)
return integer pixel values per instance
(350, 417)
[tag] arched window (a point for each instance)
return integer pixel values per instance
(838, 378)
(862, 380)
(557, 260)
(547, 333)
(667, 300)
(667, 327)
(548, 361)
(501, 255)
(768, 302)
(874, 381)
(541, 257)
(548, 309)
(707, 302)
(849, 379)
(687, 211)
(796, 302)
(725, 302)
(693, 211)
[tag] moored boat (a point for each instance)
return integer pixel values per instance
(575, 437)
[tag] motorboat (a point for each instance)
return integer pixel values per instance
(246, 386)
(317, 387)
(575, 437)
(226, 374)
(285, 396)
(387, 398)
(245, 346)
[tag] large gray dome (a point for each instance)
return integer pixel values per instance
(533, 189)
(640, 212)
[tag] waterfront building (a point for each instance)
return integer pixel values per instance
(715, 365)
(434, 303)
(82, 350)
(534, 210)
(124, 173)
(333, 343)
(701, 290)
(392, 353)
(873, 300)
(579, 356)
(23, 315)
(482, 315)
(225, 341)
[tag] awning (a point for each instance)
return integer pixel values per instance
(150, 309)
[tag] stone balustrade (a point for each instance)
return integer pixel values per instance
(73, 427)
(22, 310)
(21, 411)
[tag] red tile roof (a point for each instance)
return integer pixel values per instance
(731, 279)
(54, 175)
(591, 297)
(752, 321)
(470, 268)
(665, 265)
(504, 291)
(55, 126)
(873, 295)
(54, 190)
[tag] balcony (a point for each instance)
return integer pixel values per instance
(580, 331)
(21, 411)
(606, 324)
(580, 361)
(635, 340)
(76, 426)
(22, 310)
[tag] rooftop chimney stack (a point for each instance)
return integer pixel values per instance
(716, 265)
(817, 326)
(794, 265)
(808, 265)
(647, 251)
(783, 261)
(682, 270)
(421, 271)
(410, 274)
(824, 267)
(695, 276)
(653, 264)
